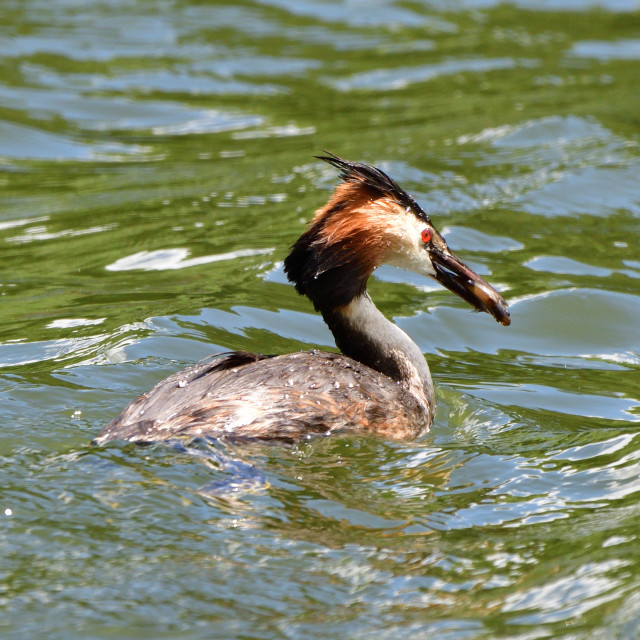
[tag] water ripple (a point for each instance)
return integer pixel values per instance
(399, 78)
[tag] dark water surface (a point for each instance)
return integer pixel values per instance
(156, 163)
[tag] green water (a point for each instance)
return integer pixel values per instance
(155, 165)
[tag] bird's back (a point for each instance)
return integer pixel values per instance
(242, 395)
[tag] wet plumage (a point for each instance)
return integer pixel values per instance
(244, 396)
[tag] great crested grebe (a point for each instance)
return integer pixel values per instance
(380, 384)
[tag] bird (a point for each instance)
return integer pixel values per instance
(379, 384)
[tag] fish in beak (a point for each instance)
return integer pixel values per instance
(452, 273)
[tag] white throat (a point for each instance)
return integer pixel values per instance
(364, 333)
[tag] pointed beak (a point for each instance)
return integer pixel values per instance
(457, 277)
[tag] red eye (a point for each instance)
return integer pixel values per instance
(426, 235)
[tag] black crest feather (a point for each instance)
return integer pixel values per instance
(375, 179)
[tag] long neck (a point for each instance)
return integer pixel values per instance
(363, 333)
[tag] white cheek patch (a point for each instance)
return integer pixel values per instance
(410, 252)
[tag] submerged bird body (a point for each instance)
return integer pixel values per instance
(283, 398)
(380, 384)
